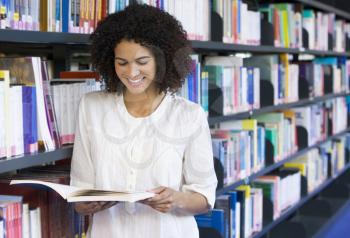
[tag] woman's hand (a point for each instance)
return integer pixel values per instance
(164, 201)
(167, 199)
(87, 208)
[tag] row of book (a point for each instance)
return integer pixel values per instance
(33, 113)
(38, 212)
(239, 213)
(66, 95)
(239, 24)
(293, 80)
(324, 31)
(17, 220)
(22, 106)
(244, 147)
(225, 85)
(82, 16)
(288, 20)
(243, 210)
(77, 16)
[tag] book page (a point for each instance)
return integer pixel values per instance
(75, 194)
(64, 190)
(111, 196)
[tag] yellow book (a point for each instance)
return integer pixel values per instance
(43, 15)
(246, 189)
(300, 166)
(285, 24)
(285, 63)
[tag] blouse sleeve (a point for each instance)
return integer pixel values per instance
(198, 169)
(82, 169)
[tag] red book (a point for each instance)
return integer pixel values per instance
(79, 75)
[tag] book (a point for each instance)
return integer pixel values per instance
(75, 194)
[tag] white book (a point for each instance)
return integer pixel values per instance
(5, 75)
(33, 222)
(111, 6)
(70, 112)
(38, 223)
(309, 25)
(43, 128)
(75, 194)
(25, 221)
(2, 232)
(11, 117)
(17, 109)
(238, 220)
(225, 61)
(2, 120)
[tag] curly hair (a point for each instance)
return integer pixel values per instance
(152, 28)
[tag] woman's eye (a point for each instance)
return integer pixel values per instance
(121, 63)
(142, 62)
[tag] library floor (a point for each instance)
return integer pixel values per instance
(339, 226)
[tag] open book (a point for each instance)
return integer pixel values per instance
(75, 194)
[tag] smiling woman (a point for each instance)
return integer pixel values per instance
(138, 135)
(136, 69)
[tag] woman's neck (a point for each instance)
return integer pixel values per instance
(142, 105)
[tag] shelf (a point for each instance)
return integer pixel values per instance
(325, 7)
(37, 37)
(274, 166)
(302, 201)
(30, 160)
(73, 39)
(226, 47)
(203, 46)
(256, 112)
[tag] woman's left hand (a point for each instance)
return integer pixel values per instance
(165, 199)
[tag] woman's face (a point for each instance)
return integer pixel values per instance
(135, 66)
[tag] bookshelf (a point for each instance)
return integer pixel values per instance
(325, 7)
(81, 40)
(242, 115)
(61, 43)
(40, 158)
(303, 200)
(274, 166)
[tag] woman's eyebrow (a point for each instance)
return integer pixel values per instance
(140, 58)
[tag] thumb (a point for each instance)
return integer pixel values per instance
(157, 190)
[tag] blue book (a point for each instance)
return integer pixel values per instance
(204, 92)
(261, 145)
(326, 60)
(250, 93)
(65, 16)
(214, 219)
(29, 108)
(233, 201)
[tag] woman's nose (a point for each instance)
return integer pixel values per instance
(133, 71)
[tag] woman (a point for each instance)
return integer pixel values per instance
(139, 136)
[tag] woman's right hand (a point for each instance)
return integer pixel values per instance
(87, 208)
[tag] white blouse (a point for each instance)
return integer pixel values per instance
(114, 150)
